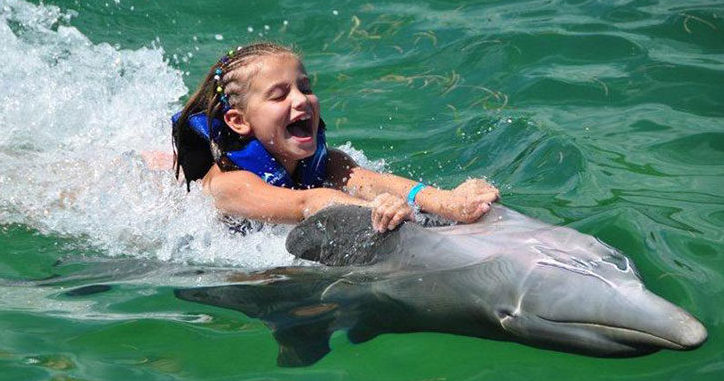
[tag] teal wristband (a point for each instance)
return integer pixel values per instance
(413, 192)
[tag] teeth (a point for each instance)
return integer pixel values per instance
(306, 117)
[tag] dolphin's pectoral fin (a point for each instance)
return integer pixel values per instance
(379, 319)
(299, 323)
(360, 334)
(376, 314)
(291, 307)
(373, 323)
(305, 342)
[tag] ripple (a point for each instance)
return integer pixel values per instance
(705, 149)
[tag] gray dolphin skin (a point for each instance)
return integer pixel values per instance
(506, 277)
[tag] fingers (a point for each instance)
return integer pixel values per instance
(384, 220)
(484, 208)
(376, 215)
(475, 187)
(394, 212)
(468, 209)
(402, 214)
(388, 212)
(475, 214)
(489, 197)
(375, 218)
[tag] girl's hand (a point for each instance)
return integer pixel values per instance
(465, 209)
(388, 211)
(477, 187)
(468, 202)
(157, 160)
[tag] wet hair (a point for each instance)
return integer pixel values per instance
(194, 154)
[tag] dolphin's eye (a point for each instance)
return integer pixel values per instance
(504, 313)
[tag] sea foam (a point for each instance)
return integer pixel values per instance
(75, 117)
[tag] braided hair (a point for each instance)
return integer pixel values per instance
(225, 86)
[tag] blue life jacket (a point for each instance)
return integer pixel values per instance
(253, 157)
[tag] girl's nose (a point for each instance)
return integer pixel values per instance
(299, 99)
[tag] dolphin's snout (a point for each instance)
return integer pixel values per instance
(691, 334)
(608, 319)
(662, 319)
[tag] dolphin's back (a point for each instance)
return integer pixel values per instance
(343, 236)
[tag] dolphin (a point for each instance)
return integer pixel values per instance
(506, 277)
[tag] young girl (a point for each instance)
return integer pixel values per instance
(252, 132)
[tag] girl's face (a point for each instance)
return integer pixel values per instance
(281, 110)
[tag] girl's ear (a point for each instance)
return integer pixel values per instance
(235, 120)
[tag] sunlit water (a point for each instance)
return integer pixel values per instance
(603, 116)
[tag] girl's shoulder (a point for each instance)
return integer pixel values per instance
(338, 157)
(217, 182)
(339, 167)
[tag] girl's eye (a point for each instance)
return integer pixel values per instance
(278, 95)
(304, 87)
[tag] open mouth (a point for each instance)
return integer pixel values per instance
(301, 129)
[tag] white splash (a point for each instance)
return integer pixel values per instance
(359, 157)
(75, 117)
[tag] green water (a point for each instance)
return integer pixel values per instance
(606, 116)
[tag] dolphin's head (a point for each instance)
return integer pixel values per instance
(590, 299)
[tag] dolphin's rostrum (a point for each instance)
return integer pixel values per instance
(506, 277)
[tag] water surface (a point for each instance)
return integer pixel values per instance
(605, 116)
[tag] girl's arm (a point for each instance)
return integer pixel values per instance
(244, 194)
(466, 203)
